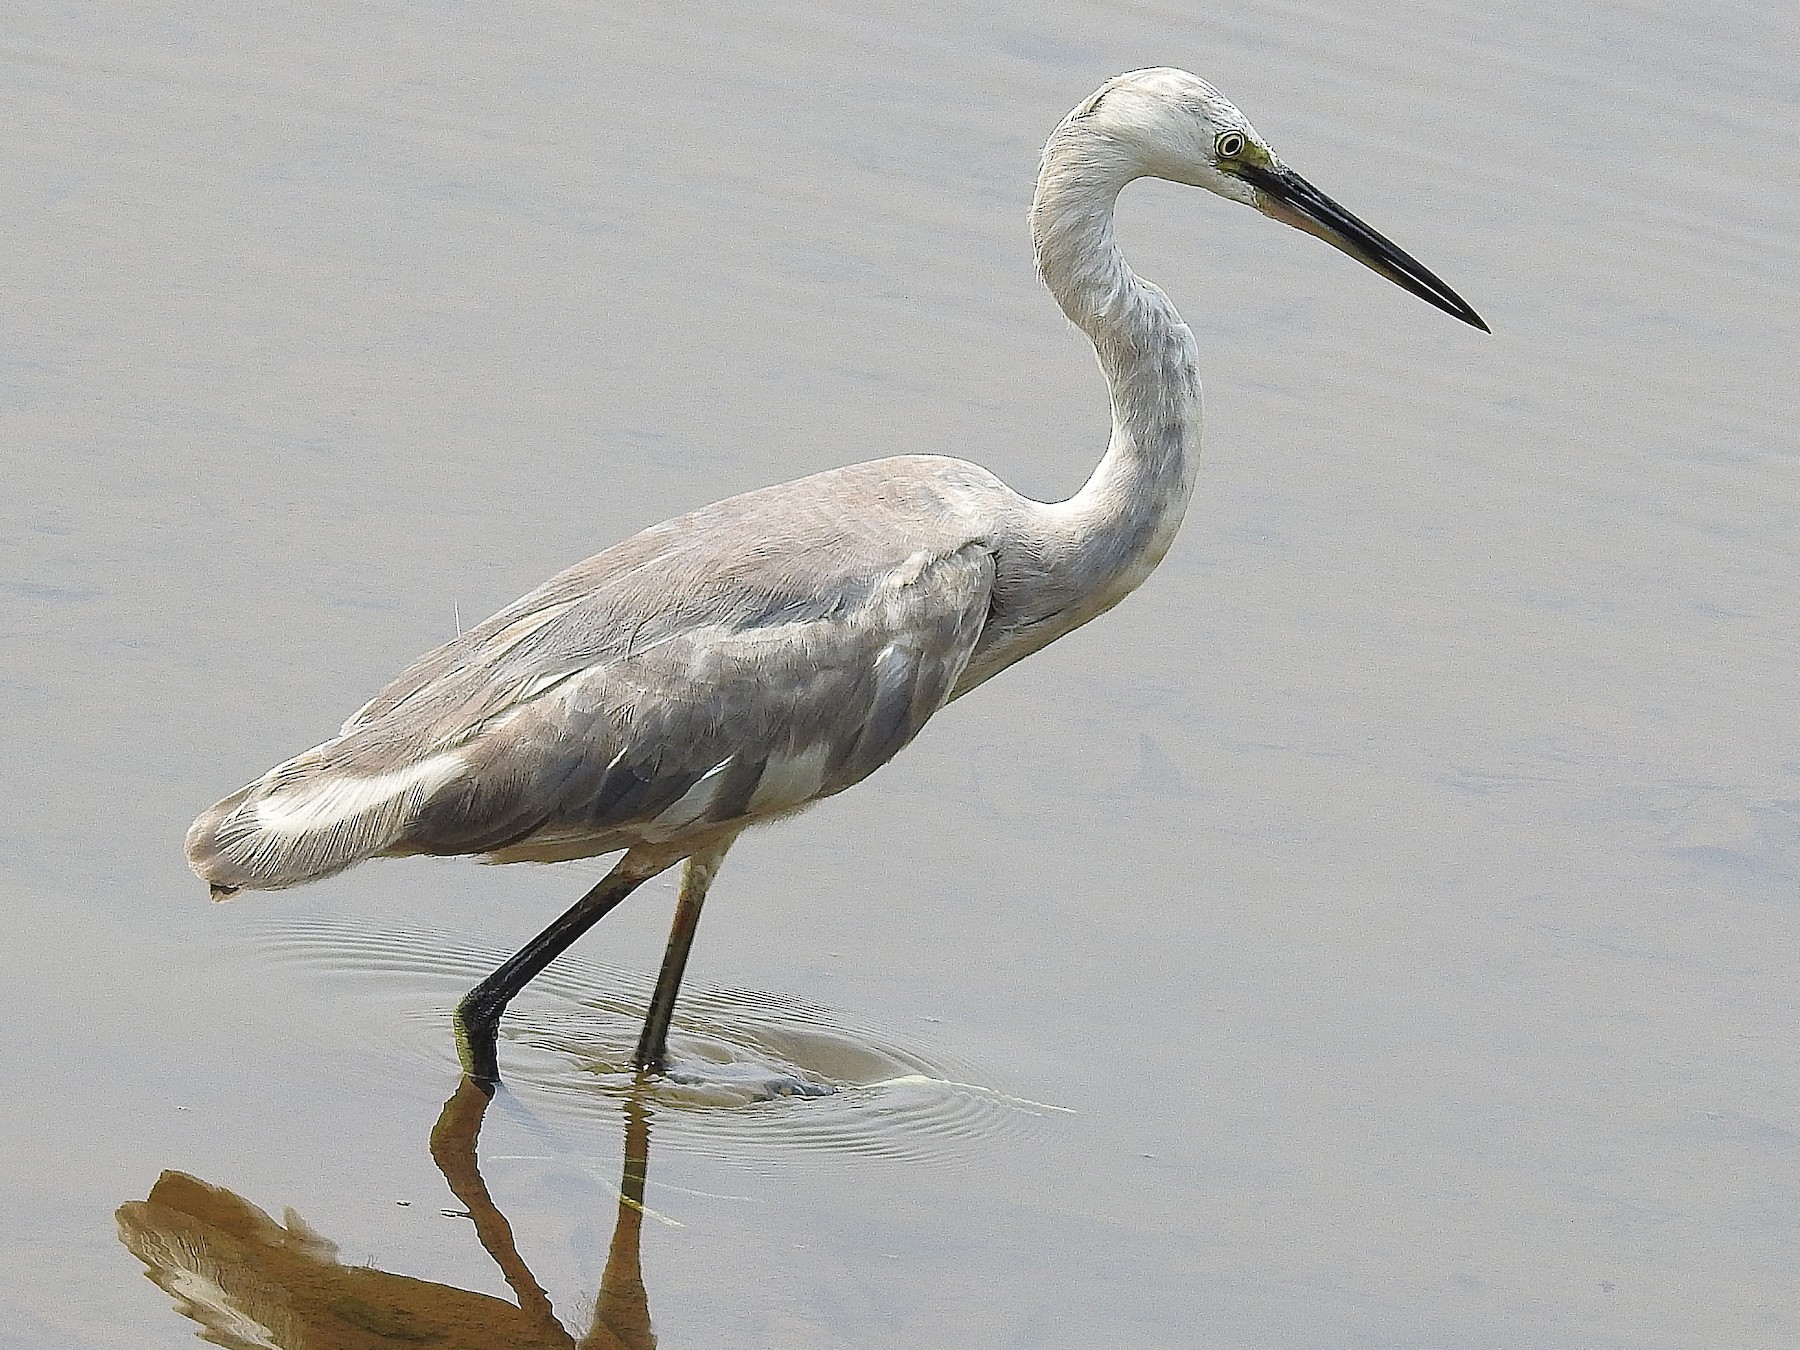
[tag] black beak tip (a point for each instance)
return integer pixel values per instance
(1289, 198)
(1436, 294)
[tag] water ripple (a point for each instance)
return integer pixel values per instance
(755, 1077)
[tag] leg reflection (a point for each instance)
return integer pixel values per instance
(622, 1309)
(248, 1281)
(453, 1141)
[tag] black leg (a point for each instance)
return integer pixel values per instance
(696, 878)
(478, 1015)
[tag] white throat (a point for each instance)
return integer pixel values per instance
(1107, 538)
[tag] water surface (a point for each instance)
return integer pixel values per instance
(1398, 895)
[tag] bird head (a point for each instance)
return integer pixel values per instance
(1170, 124)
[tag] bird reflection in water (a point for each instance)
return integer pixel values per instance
(254, 1284)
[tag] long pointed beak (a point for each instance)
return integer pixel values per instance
(1289, 198)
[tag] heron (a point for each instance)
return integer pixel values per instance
(734, 665)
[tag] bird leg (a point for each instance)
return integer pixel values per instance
(696, 878)
(478, 1015)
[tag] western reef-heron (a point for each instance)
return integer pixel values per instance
(740, 662)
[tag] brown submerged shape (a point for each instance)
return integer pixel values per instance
(251, 1283)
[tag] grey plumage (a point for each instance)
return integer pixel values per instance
(721, 649)
(739, 662)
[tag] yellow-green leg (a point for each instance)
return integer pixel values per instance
(696, 878)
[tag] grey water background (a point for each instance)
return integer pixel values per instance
(1403, 889)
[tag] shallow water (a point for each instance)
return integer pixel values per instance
(1378, 932)
(753, 1077)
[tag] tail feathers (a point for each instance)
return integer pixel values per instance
(309, 818)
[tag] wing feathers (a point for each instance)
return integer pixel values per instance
(303, 820)
(665, 686)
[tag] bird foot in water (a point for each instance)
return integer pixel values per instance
(743, 1081)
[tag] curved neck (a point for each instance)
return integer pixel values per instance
(1105, 540)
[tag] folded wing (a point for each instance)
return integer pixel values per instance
(682, 683)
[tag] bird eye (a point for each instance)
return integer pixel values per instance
(1229, 145)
